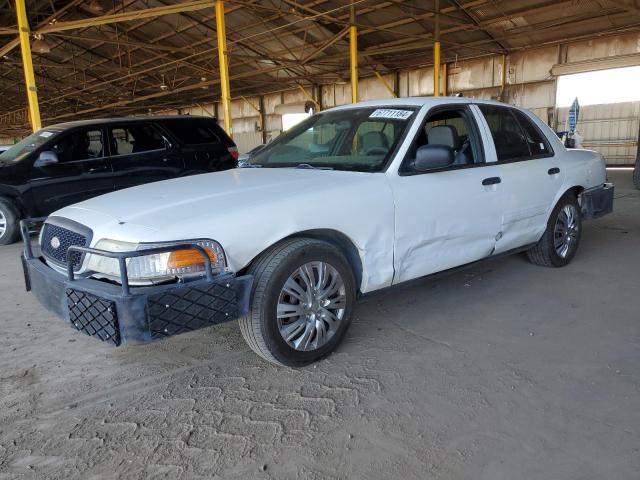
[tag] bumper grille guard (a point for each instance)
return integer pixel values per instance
(121, 257)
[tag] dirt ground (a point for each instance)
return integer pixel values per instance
(505, 371)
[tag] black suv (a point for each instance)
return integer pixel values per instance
(70, 162)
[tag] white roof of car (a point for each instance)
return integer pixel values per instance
(416, 102)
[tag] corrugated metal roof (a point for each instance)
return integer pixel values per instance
(120, 68)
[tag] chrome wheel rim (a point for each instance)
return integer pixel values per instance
(311, 306)
(3, 224)
(566, 230)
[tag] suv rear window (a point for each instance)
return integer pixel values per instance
(193, 132)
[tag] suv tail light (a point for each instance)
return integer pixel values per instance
(234, 152)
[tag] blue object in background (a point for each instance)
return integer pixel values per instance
(574, 112)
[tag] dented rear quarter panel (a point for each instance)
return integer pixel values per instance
(580, 167)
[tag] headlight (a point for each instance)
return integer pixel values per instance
(158, 266)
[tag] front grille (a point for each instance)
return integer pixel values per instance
(65, 239)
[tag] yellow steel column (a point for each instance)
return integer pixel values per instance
(436, 69)
(27, 63)
(445, 84)
(436, 53)
(223, 58)
(353, 50)
(445, 80)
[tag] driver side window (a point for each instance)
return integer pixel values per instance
(80, 145)
(451, 129)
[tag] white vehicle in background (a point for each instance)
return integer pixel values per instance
(352, 200)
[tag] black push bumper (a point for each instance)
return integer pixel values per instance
(120, 314)
(597, 202)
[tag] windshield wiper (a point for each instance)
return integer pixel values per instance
(306, 165)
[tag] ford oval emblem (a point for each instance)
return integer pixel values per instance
(55, 243)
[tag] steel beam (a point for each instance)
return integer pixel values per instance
(353, 54)
(445, 80)
(27, 63)
(223, 59)
(126, 16)
(385, 83)
(9, 46)
(316, 105)
(436, 53)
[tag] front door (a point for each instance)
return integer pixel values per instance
(82, 172)
(449, 216)
(531, 174)
(141, 154)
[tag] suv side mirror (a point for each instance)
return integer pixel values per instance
(429, 157)
(46, 159)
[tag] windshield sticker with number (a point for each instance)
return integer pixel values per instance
(390, 113)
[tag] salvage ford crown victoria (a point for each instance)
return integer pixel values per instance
(352, 200)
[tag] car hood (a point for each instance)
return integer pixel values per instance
(163, 210)
(247, 210)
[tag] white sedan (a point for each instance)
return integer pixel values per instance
(352, 200)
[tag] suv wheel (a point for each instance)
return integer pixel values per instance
(302, 302)
(9, 219)
(560, 241)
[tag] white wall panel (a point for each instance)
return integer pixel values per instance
(603, 47)
(610, 129)
(531, 65)
(247, 140)
(372, 88)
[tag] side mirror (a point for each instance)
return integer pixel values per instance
(46, 159)
(429, 157)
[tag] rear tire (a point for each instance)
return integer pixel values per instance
(306, 320)
(560, 241)
(9, 222)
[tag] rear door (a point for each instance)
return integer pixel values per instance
(530, 173)
(141, 153)
(83, 171)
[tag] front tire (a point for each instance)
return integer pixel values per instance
(302, 302)
(9, 220)
(560, 241)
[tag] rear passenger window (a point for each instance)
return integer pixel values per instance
(537, 142)
(192, 132)
(136, 138)
(510, 140)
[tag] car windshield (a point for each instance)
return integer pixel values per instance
(23, 148)
(356, 139)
